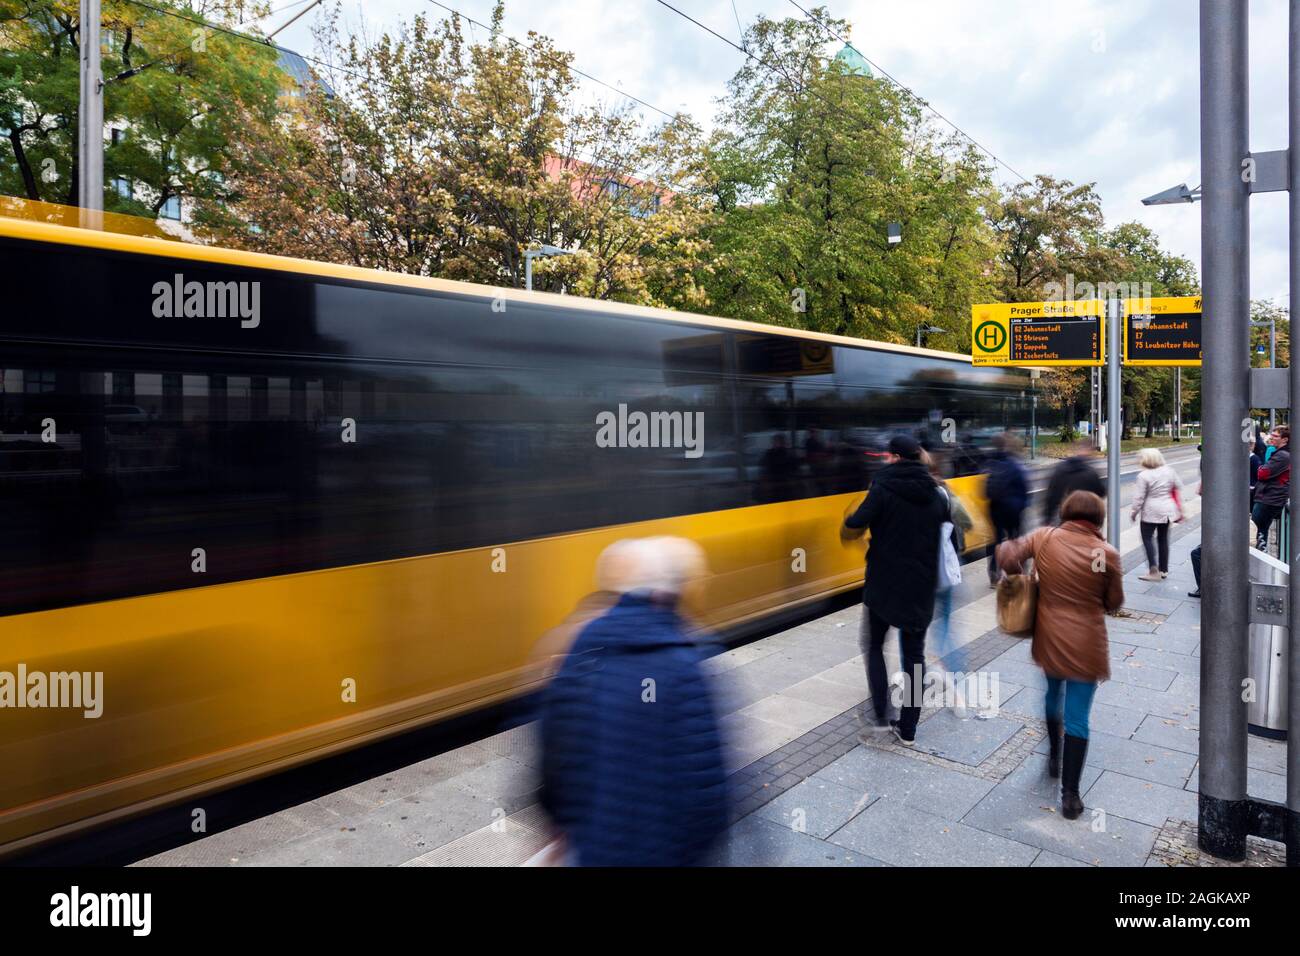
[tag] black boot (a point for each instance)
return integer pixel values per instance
(1076, 749)
(1054, 754)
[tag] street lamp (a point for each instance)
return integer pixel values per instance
(531, 254)
(1171, 197)
(927, 330)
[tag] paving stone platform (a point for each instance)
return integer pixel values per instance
(810, 789)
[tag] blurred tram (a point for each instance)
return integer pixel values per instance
(286, 508)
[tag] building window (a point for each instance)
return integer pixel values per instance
(614, 189)
(124, 187)
(620, 192)
(171, 209)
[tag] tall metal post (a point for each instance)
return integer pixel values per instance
(1292, 824)
(1033, 414)
(1223, 812)
(1114, 325)
(1272, 363)
(90, 121)
(1178, 404)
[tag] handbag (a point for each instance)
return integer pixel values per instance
(1017, 597)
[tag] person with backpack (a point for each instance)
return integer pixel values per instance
(903, 512)
(952, 545)
(1072, 474)
(1007, 491)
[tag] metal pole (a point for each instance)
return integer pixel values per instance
(1115, 322)
(1292, 824)
(1223, 807)
(1272, 363)
(528, 272)
(1178, 404)
(90, 121)
(1033, 416)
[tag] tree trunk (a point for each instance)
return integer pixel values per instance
(25, 167)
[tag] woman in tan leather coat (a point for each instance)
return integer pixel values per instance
(1080, 578)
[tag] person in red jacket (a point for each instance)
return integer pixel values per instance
(1273, 486)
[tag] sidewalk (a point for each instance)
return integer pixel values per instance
(976, 792)
(807, 792)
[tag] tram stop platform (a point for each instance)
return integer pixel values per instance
(808, 790)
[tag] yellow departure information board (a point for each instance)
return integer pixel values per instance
(1165, 331)
(1039, 333)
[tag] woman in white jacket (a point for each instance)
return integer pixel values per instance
(1157, 505)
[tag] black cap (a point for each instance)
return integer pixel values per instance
(905, 446)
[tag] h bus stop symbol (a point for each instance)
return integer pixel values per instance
(990, 336)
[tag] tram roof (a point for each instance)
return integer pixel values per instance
(24, 226)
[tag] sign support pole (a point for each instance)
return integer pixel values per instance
(1115, 320)
(1291, 828)
(1223, 804)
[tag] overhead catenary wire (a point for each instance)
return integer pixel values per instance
(742, 50)
(776, 70)
(593, 161)
(568, 66)
(889, 76)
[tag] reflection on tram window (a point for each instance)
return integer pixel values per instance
(365, 423)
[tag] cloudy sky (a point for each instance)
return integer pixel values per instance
(1101, 91)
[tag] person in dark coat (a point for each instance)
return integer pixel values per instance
(633, 772)
(904, 511)
(1072, 474)
(1273, 485)
(1007, 491)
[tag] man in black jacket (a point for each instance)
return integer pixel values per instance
(903, 511)
(1073, 474)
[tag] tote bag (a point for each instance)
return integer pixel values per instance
(949, 563)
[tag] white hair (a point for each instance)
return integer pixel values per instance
(1150, 458)
(650, 564)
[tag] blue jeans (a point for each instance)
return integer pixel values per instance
(944, 645)
(1078, 703)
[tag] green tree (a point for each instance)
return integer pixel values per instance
(440, 156)
(1048, 241)
(174, 90)
(1146, 268)
(810, 164)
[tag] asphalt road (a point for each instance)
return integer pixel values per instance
(1185, 461)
